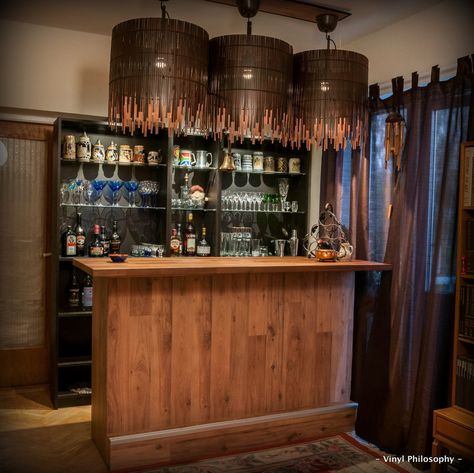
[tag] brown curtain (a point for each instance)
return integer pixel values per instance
(403, 319)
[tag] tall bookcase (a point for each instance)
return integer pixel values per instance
(453, 427)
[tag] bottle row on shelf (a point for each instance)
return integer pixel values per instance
(80, 297)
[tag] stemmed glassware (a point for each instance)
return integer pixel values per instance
(98, 185)
(64, 192)
(283, 186)
(148, 191)
(88, 190)
(132, 187)
(115, 186)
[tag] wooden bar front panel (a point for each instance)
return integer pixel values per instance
(181, 351)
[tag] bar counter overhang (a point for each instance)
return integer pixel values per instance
(201, 357)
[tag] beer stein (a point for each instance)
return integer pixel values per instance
(111, 155)
(84, 148)
(237, 158)
(98, 152)
(268, 164)
(138, 155)
(69, 147)
(125, 154)
(282, 165)
(258, 161)
(154, 158)
(202, 160)
(176, 155)
(294, 166)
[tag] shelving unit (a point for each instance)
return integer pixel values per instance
(71, 334)
(453, 427)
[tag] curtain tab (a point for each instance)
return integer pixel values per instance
(374, 91)
(464, 66)
(414, 80)
(434, 74)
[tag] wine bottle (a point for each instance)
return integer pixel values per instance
(95, 248)
(87, 292)
(80, 236)
(73, 291)
(190, 237)
(104, 240)
(115, 240)
(203, 247)
(179, 235)
(174, 243)
(68, 242)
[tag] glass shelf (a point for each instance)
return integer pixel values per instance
(192, 209)
(193, 168)
(265, 211)
(118, 207)
(267, 173)
(107, 163)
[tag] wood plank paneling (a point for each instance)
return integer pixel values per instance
(188, 351)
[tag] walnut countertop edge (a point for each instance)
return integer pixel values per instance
(159, 267)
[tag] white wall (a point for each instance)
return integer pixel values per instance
(436, 36)
(52, 69)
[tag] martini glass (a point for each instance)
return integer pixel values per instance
(115, 186)
(131, 187)
(98, 185)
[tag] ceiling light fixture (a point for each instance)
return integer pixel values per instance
(250, 80)
(158, 75)
(330, 94)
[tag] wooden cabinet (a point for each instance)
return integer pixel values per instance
(453, 427)
(71, 326)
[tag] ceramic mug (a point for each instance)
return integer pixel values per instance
(138, 155)
(176, 155)
(258, 161)
(187, 158)
(125, 154)
(269, 164)
(202, 160)
(345, 251)
(282, 165)
(154, 157)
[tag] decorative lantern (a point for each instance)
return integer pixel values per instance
(250, 84)
(158, 76)
(330, 94)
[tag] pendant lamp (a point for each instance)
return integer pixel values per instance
(250, 81)
(158, 76)
(329, 95)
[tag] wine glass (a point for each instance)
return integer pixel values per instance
(64, 192)
(283, 186)
(115, 186)
(87, 190)
(98, 185)
(154, 189)
(144, 189)
(160, 249)
(132, 187)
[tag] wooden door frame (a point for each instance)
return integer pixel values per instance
(34, 361)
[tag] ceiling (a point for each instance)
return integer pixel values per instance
(99, 16)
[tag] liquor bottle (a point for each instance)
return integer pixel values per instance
(115, 240)
(80, 237)
(190, 237)
(73, 297)
(68, 242)
(185, 191)
(203, 247)
(87, 292)
(174, 243)
(104, 240)
(95, 248)
(179, 235)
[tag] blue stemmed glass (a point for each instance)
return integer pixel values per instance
(115, 186)
(98, 185)
(131, 187)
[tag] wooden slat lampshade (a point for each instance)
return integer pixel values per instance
(250, 79)
(158, 76)
(329, 98)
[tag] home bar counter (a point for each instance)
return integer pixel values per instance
(201, 357)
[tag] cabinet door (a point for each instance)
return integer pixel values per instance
(25, 151)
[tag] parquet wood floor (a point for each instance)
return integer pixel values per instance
(35, 438)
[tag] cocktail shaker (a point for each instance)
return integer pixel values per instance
(294, 243)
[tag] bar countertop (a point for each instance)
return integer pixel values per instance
(157, 267)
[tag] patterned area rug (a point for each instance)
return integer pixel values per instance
(339, 452)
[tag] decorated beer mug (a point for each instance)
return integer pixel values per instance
(83, 151)
(111, 155)
(294, 166)
(138, 155)
(258, 161)
(125, 154)
(98, 152)
(187, 158)
(69, 147)
(154, 158)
